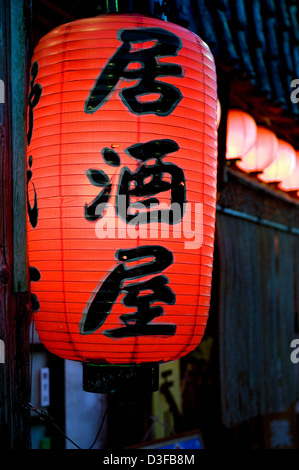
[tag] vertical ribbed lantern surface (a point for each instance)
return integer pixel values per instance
(121, 189)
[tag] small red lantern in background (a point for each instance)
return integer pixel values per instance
(262, 154)
(122, 125)
(241, 133)
(282, 166)
(291, 183)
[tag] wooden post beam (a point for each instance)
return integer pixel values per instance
(15, 306)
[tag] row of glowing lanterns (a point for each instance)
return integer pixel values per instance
(256, 149)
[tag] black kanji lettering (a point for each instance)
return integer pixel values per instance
(34, 276)
(31, 210)
(33, 99)
(95, 209)
(136, 295)
(143, 186)
(136, 97)
(148, 181)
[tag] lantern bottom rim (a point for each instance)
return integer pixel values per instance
(121, 379)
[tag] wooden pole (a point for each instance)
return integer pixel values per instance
(15, 307)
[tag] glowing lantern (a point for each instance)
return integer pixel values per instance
(241, 133)
(121, 189)
(262, 154)
(282, 166)
(291, 183)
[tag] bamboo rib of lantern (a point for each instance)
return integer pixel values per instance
(91, 142)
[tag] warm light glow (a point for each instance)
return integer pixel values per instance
(241, 133)
(105, 134)
(283, 165)
(218, 112)
(291, 183)
(263, 152)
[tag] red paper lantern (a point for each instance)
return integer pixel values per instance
(291, 182)
(241, 133)
(282, 166)
(121, 189)
(262, 154)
